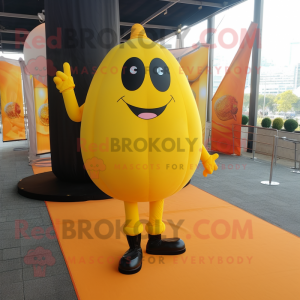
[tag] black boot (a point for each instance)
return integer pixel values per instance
(131, 262)
(157, 246)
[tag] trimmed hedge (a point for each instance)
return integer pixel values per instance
(290, 125)
(277, 123)
(245, 120)
(266, 122)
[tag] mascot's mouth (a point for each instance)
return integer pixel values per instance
(147, 113)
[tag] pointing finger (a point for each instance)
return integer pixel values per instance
(67, 69)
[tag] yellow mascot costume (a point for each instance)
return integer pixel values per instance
(142, 133)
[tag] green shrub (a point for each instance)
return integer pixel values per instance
(290, 125)
(245, 120)
(277, 123)
(266, 122)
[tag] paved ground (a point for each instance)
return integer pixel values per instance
(17, 280)
(237, 182)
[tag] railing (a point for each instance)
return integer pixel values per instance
(270, 182)
(254, 138)
(262, 141)
(295, 169)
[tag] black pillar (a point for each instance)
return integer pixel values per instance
(255, 73)
(80, 33)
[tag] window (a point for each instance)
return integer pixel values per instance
(12, 55)
(192, 35)
(280, 66)
(231, 26)
(169, 43)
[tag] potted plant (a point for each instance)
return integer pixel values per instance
(277, 123)
(266, 122)
(290, 125)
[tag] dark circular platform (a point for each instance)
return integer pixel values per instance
(47, 187)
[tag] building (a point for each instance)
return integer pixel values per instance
(294, 53)
(297, 76)
(276, 80)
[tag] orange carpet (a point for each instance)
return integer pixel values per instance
(231, 254)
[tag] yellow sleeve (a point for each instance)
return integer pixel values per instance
(73, 110)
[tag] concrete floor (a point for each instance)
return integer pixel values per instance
(237, 181)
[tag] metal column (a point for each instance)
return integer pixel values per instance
(210, 39)
(255, 71)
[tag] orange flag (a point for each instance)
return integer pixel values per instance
(11, 102)
(227, 103)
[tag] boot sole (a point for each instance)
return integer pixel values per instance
(130, 272)
(166, 253)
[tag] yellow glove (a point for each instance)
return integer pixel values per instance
(208, 162)
(64, 80)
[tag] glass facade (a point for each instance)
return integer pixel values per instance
(279, 87)
(12, 55)
(195, 34)
(231, 26)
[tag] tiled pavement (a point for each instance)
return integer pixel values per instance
(17, 280)
(237, 182)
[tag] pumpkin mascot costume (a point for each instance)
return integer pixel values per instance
(142, 129)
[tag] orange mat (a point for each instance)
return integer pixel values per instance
(231, 254)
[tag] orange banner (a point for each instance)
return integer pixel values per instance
(11, 102)
(195, 66)
(227, 103)
(41, 117)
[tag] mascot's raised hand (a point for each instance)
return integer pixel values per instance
(65, 84)
(64, 80)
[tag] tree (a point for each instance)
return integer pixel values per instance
(270, 101)
(296, 105)
(286, 100)
(246, 101)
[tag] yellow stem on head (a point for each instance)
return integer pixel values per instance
(138, 31)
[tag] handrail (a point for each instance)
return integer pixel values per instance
(254, 137)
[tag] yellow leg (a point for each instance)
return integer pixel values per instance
(155, 225)
(133, 225)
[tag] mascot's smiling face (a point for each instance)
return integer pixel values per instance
(133, 76)
(141, 81)
(148, 80)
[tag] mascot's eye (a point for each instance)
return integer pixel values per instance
(160, 71)
(44, 68)
(160, 75)
(133, 73)
(36, 68)
(133, 70)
